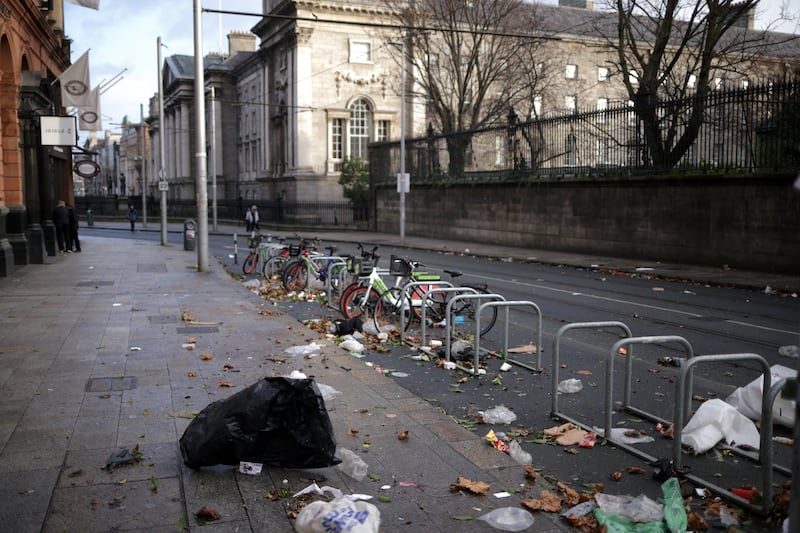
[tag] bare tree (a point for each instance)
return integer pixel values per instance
(465, 57)
(672, 51)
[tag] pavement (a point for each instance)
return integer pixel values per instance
(96, 359)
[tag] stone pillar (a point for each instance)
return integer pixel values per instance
(302, 126)
(6, 252)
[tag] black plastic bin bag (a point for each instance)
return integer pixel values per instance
(276, 421)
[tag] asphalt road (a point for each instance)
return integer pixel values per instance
(712, 320)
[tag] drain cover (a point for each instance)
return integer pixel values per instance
(163, 319)
(95, 283)
(198, 329)
(111, 384)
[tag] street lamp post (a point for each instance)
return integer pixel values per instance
(403, 185)
(161, 132)
(200, 142)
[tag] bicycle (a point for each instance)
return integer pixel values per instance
(398, 301)
(298, 272)
(275, 264)
(259, 251)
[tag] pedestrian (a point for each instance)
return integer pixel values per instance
(256, 218)
(73, 229)
(248, 220)
(132, 215)
(60, 218)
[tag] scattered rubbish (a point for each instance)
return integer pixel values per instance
(547, 501)
(663, 469)
(505, 367)
(588, 441)
(343, 513)
(251, 469)
(525, 348)
(188, 346)
(498, 415)
(790, 350)
(496, 442)
(671, 361)
(508, 519)
(275, 421)
(308, 349)
(518, 454)
(252, 284)
(352, 345)
(566, 434)
(582, 509)
(399, 374)
(329, 394)
(570, 386)
(207, 514)
(747, 399)
(449, 365)
(783, 440)
(402, 435)
(748, 493)
(475, 487)
(122, 457)
(501, 495)
(136, 349)
(435, 343)
(626, 435)
(714, 421)
(674, 510)
(296, 374)
(351, 464)
(640, 509)
(346, 327)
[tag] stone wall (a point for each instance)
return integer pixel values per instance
(744, 222)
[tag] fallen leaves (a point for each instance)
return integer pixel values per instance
(475, 487)
(207, 514)
(547, 501)
(206, 357)
(225, 384)
(402, 435)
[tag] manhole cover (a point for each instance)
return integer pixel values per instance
(198, 329)
(153, 268)
(111, 384)
(95, 283)
(163, 319)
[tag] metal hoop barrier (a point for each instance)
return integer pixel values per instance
(427, 295)
(329, 278)
(407, 293)
(449, 323)
(683, 389)
(629, 370)
(508, 305)
(557, 355)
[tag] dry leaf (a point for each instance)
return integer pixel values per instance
(525, 348)
(187, 316)
(696, 522)
(570, 495)
(571, 451)
(547, 501)
(616, 476)
(206, 357)
(209, 514)
(402, 435)
(192, 374)
(191, 340)
(584, 372)
(530, 473)
(475, 487)
(635, 470)
(226, 368)
(225, 384)
(587, 524)
(352, 432)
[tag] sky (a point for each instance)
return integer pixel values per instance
(123, 34)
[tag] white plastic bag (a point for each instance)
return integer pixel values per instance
(570, 386)
(309, 349)
(639, 509)
(342, 514)
(508, 519)
(499, 415)
(714, 421)
(747, 399)
(351, 464)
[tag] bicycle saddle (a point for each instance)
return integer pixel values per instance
(454, 273)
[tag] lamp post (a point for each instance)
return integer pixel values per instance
(162, 178)
(403, 185)
(200, 142)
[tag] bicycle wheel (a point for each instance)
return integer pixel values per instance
(295, 275)
(274, 266)
(358, 302)
(465, 311)
(347, 290)
(391, 308)
(249, 265)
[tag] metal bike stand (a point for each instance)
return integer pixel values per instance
(407, 292)
(626, 405)
(774, 391)
(425, 298)
(507, 305)
(449, 324)
(329, 278)
(557, 355)
(765, 447)
(321, 258)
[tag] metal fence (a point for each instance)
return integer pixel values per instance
(749, 130)
(334, 213)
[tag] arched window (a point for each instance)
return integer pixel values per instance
(360, 126)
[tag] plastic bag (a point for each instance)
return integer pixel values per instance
(352, 345)
(570, 386)
(508, 519)
(499, 415)
(674, 511)
(640, 509)
(343, 514)
(352, 464)
(518, 454)
(308, 349)
(747, 399)
(275, 421)
(714, 421)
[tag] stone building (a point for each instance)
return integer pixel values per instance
(33, 177)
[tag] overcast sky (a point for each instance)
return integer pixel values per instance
(122, 34)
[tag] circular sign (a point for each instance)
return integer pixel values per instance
(89, 117)
(76, 87)
(87, 168)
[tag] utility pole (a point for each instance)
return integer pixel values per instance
(162, 177)
(200, 142)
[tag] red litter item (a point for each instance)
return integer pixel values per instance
(745, 492)
(588, 441)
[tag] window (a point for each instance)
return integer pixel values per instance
(571, 72)
(337, 138)
(360, 52)
(602, 105)
(360, 119)
(382, 132)
(602, 73)
(571, 103)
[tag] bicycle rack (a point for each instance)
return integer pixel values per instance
(507, 305)
(425, 296)
(557, 356)
(449, 323)
(628, 371)
(765, 447)
(407, 292)
(329, 278)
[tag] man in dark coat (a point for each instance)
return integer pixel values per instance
(61, 222)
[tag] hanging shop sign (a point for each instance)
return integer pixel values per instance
(86, 168)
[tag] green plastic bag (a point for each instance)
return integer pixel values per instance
(674, 511)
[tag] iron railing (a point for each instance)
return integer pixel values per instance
(747, 131)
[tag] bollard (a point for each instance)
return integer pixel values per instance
(235, 250)
(90, 217)
(189, 234)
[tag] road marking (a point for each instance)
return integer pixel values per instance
(760, 327)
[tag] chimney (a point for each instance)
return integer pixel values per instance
(241, 41)
(582, 4)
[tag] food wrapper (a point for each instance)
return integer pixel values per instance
(496, 442)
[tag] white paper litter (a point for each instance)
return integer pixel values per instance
(747, 399)
(714, 421)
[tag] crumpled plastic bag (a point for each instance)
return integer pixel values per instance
(499, 415)
(714, 421)
(349, 514)
(307, 349)
(508, 519)
(276, 421)
(640, 509)
(351, 345)
(747, 399)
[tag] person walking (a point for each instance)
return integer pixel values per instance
(256, 218)
(132, 216)
(73, 229)
(248, 220)
(60, 219)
